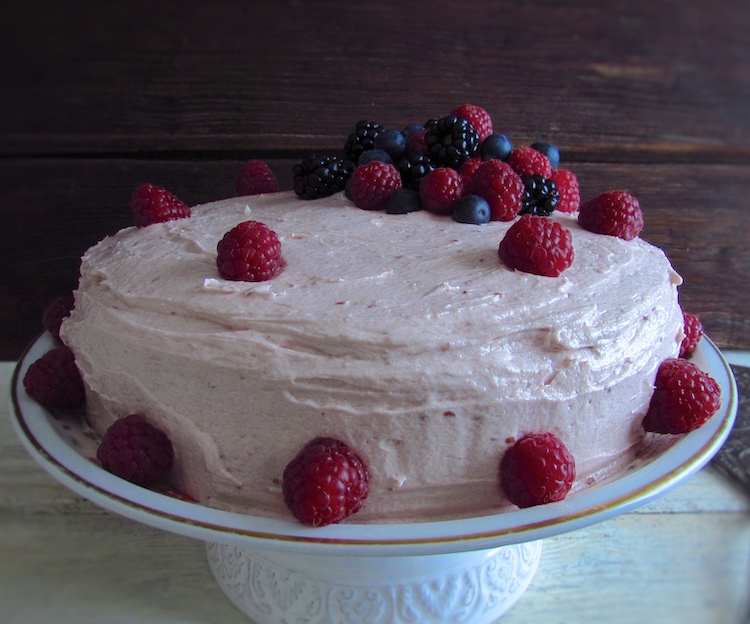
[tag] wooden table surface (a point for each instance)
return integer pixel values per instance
(652, 96)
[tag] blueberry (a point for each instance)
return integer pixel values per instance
(496, 147)
(411, 129)
(374, 154)
(549, 150)
(391, 141)
(405, 200)
(471, 209)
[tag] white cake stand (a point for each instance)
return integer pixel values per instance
(471, 570)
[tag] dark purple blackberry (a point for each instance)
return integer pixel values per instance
(413, 167)
(362, 139)
(321, 176)
(450, 141)
(540, 196)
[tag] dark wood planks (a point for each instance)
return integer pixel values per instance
(645, 80)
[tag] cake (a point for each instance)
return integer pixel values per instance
(402, 335)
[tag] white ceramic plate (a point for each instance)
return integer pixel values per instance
(64, 449)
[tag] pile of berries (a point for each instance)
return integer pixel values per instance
(440, 160)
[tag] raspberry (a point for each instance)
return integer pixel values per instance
(450, 141)
(54, 380)
(440, 190)
(526, 161)
(373, 185)
(537, 245)
(469, 168)
(684, 398)
(693, 329)
(325, 483)
(477, 117)
(538, 469)
(567, 185)
(135, 450)
(415, 142)
(249, 252)
(255, 177)
(501, 188)
(153, 204)
(55, 312)
(321, 176)
(615, 213)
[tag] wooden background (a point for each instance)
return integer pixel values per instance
(98, 97)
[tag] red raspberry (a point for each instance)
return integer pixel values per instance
(469, 167)
(536, 470)
(153, 204)
(249, 252)
(501, 187)
(325, 483)
(415, 143)
(477, 117)
(255, 177)
(55, 312)
(567, 185)
(693, 333)
(374, 184)
(615, 213)
(537, 245)
(684, 399)
(135, 450)
(440, 189)
(54, 380)
(526, 162)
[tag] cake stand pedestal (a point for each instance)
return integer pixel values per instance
(475, 587)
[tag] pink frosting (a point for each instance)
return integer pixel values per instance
(402, 335)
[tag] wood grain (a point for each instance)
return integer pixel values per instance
(659, 79)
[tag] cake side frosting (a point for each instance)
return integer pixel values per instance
(402, 335)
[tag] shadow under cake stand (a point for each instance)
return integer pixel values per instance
(471, 570)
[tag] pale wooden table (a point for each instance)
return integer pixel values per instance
(684, 558)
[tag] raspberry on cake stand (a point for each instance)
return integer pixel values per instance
(467, 570)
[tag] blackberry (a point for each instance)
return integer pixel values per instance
(413, 167)
(451, 140)
(362, 139)
(540, 196)
(321, 176)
